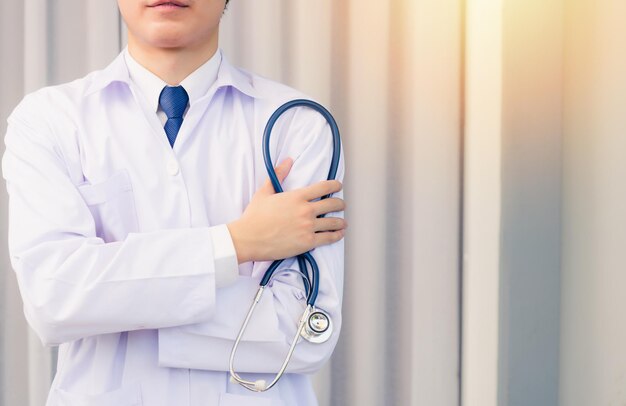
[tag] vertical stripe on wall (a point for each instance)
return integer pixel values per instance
(13, 373)
(482, 189)
(593, 321)
(37, 360)
(530, 237)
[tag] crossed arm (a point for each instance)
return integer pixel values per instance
(74, 285)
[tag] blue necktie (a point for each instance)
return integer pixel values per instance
(173, 100)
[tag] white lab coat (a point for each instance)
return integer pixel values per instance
(110, 235)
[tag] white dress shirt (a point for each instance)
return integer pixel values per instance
(115, 239)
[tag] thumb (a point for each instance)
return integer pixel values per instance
(282, 171)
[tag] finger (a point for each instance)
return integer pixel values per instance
(330, 205)
(329, 224)
(282, 171)
(328, 237)
(323, 188)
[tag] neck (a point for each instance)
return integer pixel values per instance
(172, 65)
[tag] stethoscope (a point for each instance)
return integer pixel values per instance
(315, 325)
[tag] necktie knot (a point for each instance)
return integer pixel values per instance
(173, 100)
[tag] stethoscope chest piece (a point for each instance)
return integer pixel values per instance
(318, 328)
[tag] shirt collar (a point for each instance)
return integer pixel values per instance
(149, 84)
(227, 76)
(197, 83)
(231, 76)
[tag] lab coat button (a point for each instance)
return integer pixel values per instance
(172, 167)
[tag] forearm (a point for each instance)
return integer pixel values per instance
(80, 287)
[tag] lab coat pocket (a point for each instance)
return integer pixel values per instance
(228, 399)
(124, 396)
(112, 205)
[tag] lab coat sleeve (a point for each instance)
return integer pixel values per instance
(72, 283)
(207, 345)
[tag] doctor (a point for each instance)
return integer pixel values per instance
(141, 220)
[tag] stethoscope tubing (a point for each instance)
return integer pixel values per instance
(311, 282)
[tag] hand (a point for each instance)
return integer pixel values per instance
(283, 225)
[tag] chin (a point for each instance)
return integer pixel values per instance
(169, 38)
(172, 43)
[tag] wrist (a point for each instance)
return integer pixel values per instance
(240, 242)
